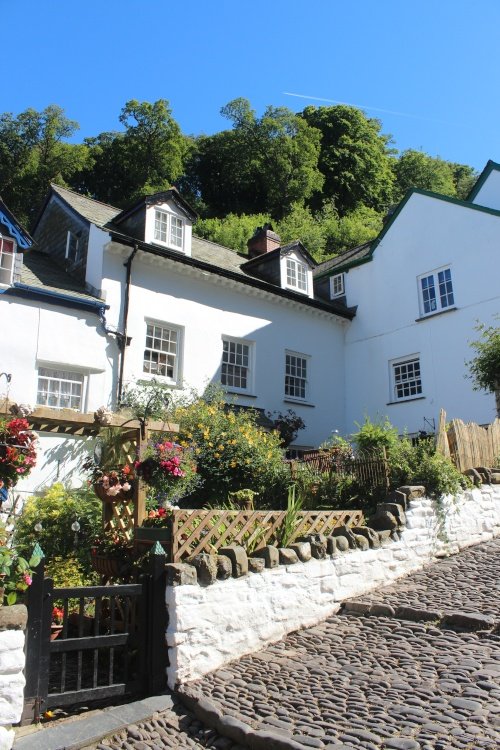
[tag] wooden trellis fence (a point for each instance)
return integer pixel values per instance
(195, 531)
(469, 445)
(367, 470)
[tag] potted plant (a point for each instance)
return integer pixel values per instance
(57, 622)
(111, 477)
(169, 469)
(112, 553)
(17, 451)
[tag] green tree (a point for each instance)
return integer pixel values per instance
(414, 169)
(232, 231)
(485, 366)
(262, 165)
(147, 157)
(33, 153)
(355, 158)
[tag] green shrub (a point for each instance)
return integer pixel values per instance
(422, 464)
(56, 509)
(232, 452)
(373, 437)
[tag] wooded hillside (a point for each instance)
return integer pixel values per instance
(326, 175)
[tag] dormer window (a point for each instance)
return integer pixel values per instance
(337, 286)
(7, 251)
(169, 229)
(296, 275)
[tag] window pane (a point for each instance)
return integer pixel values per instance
(161, 351)
(407, 380)
(445, 288)
(428, 294)
(295, 376)
(6, 260)
(302, 277)
(161, 222)
(291, 276)
(176, 231)
(235, 364)
(60, 389)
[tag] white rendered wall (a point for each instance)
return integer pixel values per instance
(12, 683)
(210, 626)
(34, 334)
(489, 193)
(207, 307)
(428, 233)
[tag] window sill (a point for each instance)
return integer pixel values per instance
(240, 393)
(405, 400)
(289, 400)
(434, 314)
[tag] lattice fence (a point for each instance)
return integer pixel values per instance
(469, 445)
(195, 531)
(368, 471)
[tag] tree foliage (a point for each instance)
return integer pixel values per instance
(146, 158)
(33, 154)
(485, 366)
(355, 158)
(264, 164)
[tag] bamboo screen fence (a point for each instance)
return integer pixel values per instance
(469, 445)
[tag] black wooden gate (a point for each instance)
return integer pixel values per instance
(110, 641)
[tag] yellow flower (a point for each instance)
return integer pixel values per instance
(220, 447)
(216, 455)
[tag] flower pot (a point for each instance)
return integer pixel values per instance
(107, 566)
(121, 496)
(55, 631)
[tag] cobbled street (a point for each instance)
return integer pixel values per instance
(371, 682)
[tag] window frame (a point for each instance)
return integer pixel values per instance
(306, 359)
(434, 299)
(7, 254)
(333, 293)
(296, 265)
(170, 229)
(250, 367)
(65, 370)
(416, 379)
(176, 378)
(77, 255)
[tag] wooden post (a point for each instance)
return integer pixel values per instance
(157, 623)
(140, 491)
(39, 603)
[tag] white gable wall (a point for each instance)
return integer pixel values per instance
(489, 193)
(427, 234)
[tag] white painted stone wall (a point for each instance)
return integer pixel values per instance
(11, 683)
(210, 626)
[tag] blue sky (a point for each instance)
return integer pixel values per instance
(436, 64)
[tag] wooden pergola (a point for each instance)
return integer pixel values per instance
(125, 516)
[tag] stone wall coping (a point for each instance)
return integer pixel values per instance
(13, 617)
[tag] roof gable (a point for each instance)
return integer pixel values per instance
(14, 228)
(490, 167)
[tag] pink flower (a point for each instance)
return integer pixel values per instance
(27, 579)
(126, 486)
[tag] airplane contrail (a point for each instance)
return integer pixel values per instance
(364, 106)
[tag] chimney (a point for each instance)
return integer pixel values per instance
(263, 241)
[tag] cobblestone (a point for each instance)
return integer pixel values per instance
(381, 682)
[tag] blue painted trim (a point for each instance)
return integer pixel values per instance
(97, 307)
(22, 238)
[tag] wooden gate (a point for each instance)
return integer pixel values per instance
(110, 641)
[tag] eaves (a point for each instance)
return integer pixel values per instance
(347, 313)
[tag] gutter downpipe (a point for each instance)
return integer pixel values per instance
(123, 338)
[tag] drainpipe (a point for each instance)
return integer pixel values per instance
(124, 342)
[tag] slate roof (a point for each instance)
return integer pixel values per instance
(220, 258)
(100, 214)
(355, 254)
(40, 272)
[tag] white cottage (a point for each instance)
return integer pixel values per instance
(108, 297)
(419, 290)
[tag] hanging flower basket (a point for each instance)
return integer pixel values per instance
(17, 451)
(103, 493)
